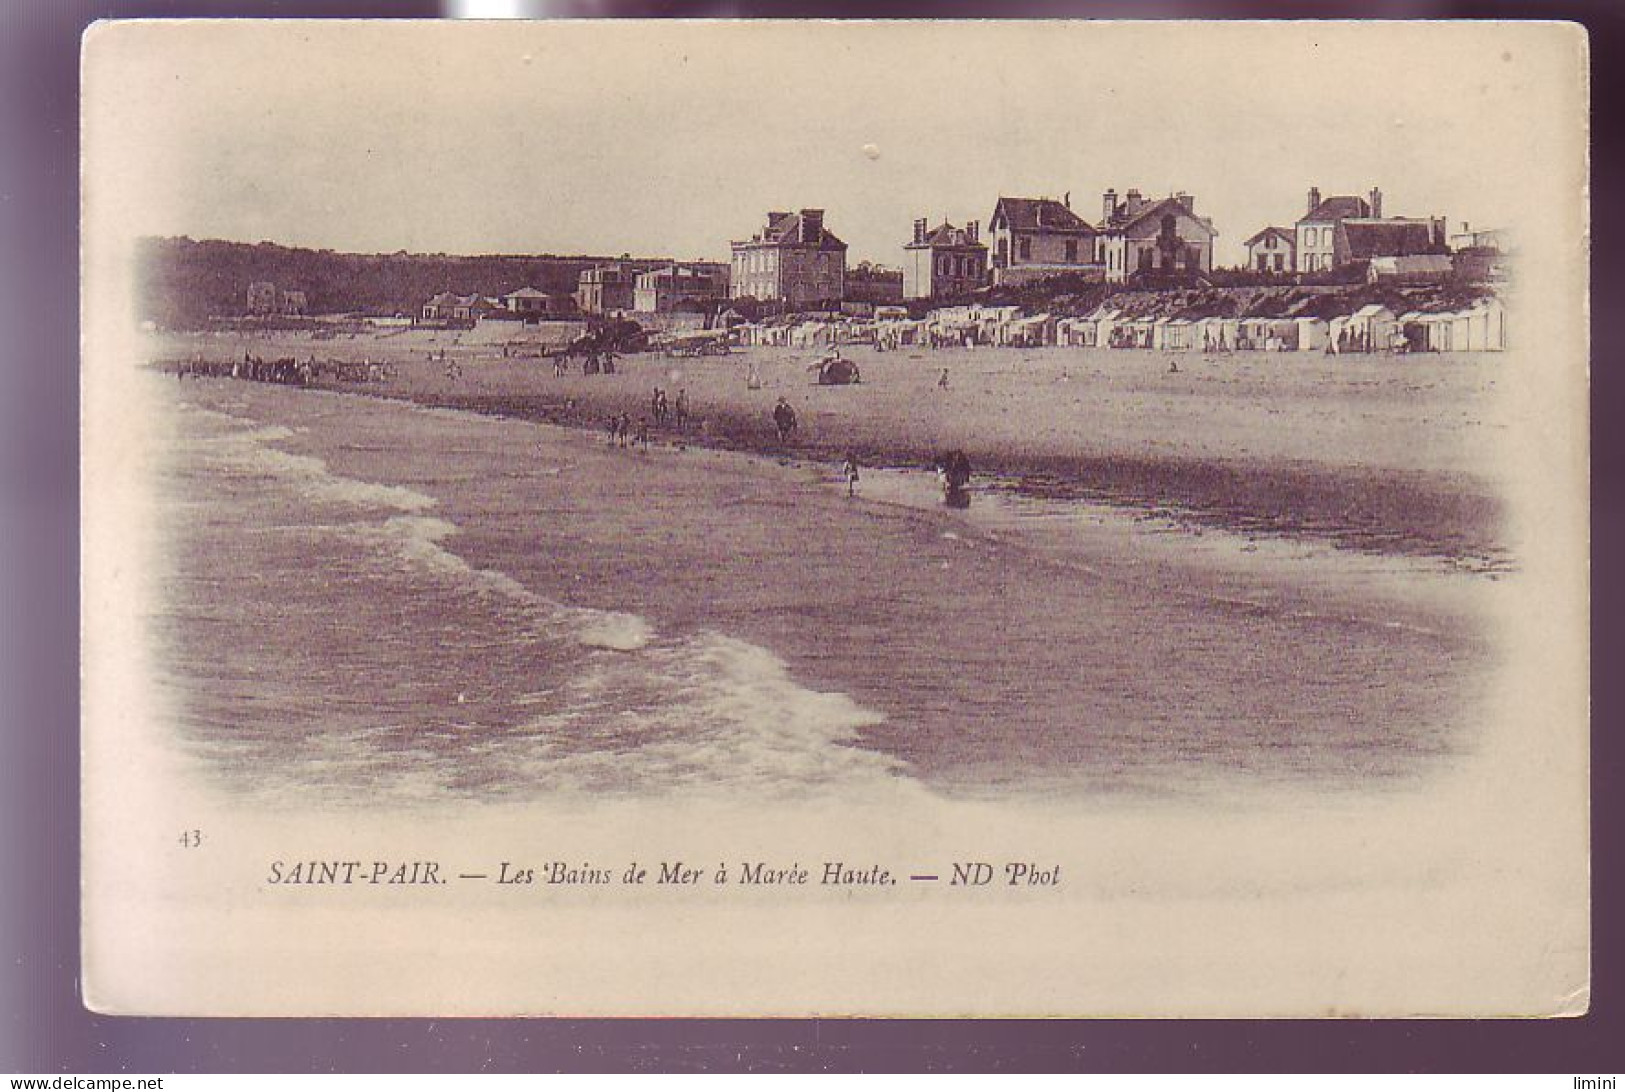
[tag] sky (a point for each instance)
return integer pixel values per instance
(670, 139)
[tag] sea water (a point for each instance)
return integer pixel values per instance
(362, 602)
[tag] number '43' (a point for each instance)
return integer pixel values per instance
(191, 839)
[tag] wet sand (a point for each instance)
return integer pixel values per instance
(1387, 454)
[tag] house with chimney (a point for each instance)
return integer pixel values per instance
(1141, 236)
(794, 260)
(606, 288)
(944, 261)
(1336, 232)
(1273, 250)
(662, 290)
(1035, 238)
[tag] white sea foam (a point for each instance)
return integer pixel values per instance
(614, 631)
(639, 713)
(250, 445)
(728, 721)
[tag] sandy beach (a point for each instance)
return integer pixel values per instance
(1394, 454)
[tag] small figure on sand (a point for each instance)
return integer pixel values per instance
(752, 380)
(1173, 367)
(680, 414)
(942, 380)
(784, 419)
(625, 430)
(643, 433)
(850, 472)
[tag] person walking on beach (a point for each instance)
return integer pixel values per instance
(784, 419)
(682, 408)
(850, 472)
(613, 428)
(643, 433)
(942, 380)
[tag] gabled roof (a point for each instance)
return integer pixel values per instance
(1122, 221)
(1389, 238)
(1338, 208)
(1040, 214)
(948, 235)
(527, 293)
(443, 299)
(787, 230)
(1283, 233)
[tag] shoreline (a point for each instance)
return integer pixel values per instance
(1439, 511)
(1384, 511)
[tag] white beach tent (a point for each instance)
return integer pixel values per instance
(1159, 333)
(1282, 336)
(1441, 327)
(1486, 330)
(1104, 322)
(1312, 334)
(1208, 333)
(1375, 326)
(1180, 335)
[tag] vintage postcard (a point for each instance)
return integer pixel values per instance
(805, 518)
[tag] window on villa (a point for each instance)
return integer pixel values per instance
(1024, 248)
(1071, 250)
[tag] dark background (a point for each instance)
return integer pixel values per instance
(44, 1028)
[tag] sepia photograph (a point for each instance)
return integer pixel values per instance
(799, 518)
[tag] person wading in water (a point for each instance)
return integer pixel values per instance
(784, 419)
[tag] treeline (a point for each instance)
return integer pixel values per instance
(182, 283)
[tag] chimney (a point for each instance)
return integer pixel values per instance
(919, 230)
(1187, 202)
(1440, 231)
(1134, 202)
(974, 230)
(1108, 206)
(1376, 202)
(812, 225)
(1314, 200)
(1066, 199)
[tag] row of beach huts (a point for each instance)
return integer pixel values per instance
(1373, 328)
